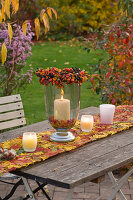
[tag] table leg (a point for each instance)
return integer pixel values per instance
(43, 191)
(120, 183)
(70, 193)
(32, 196)
(114, 182)
(117, 186)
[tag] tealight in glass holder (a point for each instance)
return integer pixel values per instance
(29, 141)
(62, 108)
(86, 123)
(107, 113)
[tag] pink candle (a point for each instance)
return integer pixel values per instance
(107, 113)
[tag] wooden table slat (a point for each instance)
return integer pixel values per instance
(87, 162)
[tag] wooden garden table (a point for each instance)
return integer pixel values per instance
(86, 163)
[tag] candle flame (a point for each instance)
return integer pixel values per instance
(62, 94)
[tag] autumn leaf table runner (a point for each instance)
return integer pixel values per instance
(45, 148)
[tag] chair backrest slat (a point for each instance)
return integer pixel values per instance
(12, 123)
(10, 99)
(9, 107)
(11, 115)
(11, 112)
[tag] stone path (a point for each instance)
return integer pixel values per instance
(87, 191)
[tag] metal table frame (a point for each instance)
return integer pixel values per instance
(116, 186)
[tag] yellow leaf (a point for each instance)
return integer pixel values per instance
(46, 30)
(15, 5)
(55, 13)
(0, 16)
(7, 7)
(3, 53)
(41, 14)
(3, 12)
(10, 32)
(49, 12)
(46, 22)
(66, 63)
(24, 27)
(37, 27)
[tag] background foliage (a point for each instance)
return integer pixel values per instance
(115, 77)
(15, 41)
(77, 16)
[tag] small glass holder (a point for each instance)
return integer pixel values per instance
(107, 113)
(86, 123)
(29, 141)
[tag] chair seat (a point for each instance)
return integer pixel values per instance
(8, 176)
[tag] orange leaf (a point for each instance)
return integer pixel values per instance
(49, 12)
(92, 79)
(111, 37)
(96, 75)
(108, 74)
(55, 13)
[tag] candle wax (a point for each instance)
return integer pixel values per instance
(62, 109)
(86, 123)
(29, 142)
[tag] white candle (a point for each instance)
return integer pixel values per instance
(86, 123)
(107, 113)
(29, 141)
(62, 109)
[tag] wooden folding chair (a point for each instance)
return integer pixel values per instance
(12, 115)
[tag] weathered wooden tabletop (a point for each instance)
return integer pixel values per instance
(85, 163)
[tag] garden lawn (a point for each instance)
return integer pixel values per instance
(57, 54)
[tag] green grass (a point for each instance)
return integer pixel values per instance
(57, 54)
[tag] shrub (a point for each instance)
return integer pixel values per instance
(18, 51)
(115, 79)
(76, 16)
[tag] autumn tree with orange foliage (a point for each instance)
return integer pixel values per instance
(113, 79)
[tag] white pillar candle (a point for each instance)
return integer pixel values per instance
(62, 109)
(86, 123)
(107, 113)
(29, 141)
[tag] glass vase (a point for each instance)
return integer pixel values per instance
(62, 108)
